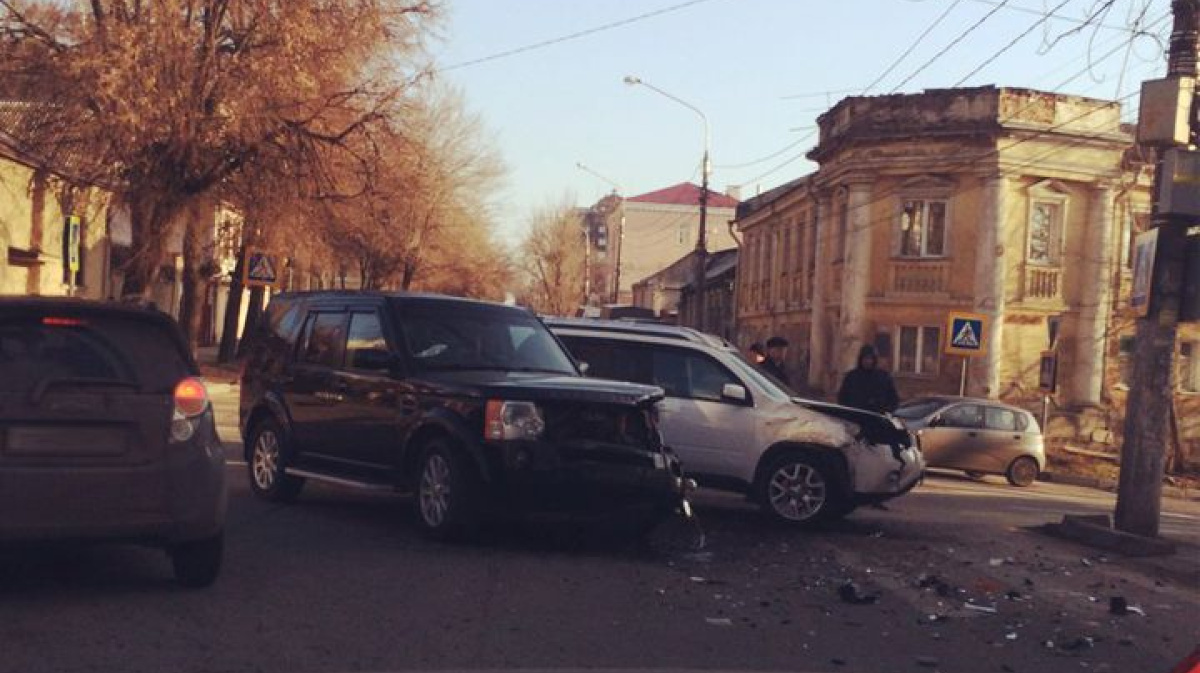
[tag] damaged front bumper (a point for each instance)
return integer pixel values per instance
(880, 472)
(588, 477)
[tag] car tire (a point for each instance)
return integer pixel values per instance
(266, 462)
(797, 489)
(197, 563)
(1022, 471)
(448, 492)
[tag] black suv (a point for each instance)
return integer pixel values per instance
(468, 404)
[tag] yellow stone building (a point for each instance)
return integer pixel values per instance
(1013, 203)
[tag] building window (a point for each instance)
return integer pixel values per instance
(918, 349)
(1045, 233)
(923, 229)
(682, 229)
(1125, 359)
(1137, 223)
(1189, 369)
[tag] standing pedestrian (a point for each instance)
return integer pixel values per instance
(867, 386)
(756, 353)
(775, 364)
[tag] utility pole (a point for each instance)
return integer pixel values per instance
(616, 266)
(1148, 410)
(701, 244)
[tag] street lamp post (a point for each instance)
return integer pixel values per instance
(701, 251)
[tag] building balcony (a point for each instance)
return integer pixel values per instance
(1041, 283)
(918, 276)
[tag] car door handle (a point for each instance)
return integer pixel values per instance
(972, 434)
(1016, 436)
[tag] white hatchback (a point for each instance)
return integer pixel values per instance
(733, 428)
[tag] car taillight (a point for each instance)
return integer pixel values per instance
(191, 397)
(58, 321)
(191, 401)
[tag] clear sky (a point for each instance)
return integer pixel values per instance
(757, 68)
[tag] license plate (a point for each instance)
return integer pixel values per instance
(49, 440)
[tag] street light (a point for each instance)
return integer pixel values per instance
(702, 235)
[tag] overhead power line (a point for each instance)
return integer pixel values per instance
(991, 59)
(573, 36)
(1090, 20)
(953, 43)
(914, 45)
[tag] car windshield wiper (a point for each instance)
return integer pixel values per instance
(43, 386)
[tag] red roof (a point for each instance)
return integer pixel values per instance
(685, 194)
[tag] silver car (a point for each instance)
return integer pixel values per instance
(802, 461)
(977, 436)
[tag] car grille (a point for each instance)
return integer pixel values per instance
(594, 423)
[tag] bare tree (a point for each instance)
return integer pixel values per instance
(552, 258)
(168, 99)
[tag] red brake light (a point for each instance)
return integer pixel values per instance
(493, 423)
(191, 397)
(58, 321)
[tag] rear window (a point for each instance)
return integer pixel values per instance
(918, 408)
(34, 348)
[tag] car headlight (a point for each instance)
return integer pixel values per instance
(506, 419)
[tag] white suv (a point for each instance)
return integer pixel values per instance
(735, 429)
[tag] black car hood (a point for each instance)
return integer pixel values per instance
(541, 386)
(878, 428)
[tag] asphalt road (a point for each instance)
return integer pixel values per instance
(342, 582)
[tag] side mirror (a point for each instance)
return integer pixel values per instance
(733, 392)
(373, 359)
(935, 422)
(584, 367)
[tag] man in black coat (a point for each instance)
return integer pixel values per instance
(867, 386)
(776, 355)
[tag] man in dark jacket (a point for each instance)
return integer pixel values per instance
(867, 386)
(776, 355)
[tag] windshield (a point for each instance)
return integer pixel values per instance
(446, 338)
(919, 408)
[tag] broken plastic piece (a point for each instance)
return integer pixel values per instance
(987, 609)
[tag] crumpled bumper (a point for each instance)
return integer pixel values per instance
(879, 472)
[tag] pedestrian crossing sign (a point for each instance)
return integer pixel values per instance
(260, 269)
(966, 334)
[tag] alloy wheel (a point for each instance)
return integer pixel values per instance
(797, 491)
(266, 460)
(435, 490)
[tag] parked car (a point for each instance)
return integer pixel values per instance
(468, 404)
(107, 433)
(735, 429)
(977, 436)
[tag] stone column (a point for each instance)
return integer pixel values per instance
(991, 276)
(1087, 373)
(856, 278)
(818, 350)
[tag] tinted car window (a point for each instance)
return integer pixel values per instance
(963, 416)
(441, 338)
(325, 340)
(996, 418)
(608, 359)
(684, 374)
(35, 348)
(919, 408)
(365, 334)
(1022, 422)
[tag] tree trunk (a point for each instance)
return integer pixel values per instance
(150, 219)
(193, 281)
(233, 311)
(253, 315)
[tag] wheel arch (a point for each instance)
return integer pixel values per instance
(439, 426)
(827, 456)
(269, 408)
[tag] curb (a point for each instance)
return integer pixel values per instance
(1097, 532)
(1111, 486)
